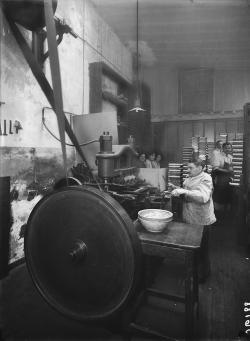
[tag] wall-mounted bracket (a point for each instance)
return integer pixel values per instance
(39, 37)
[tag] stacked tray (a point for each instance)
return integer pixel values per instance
(200, 147)
(237, 161)
(195, 143)
(185, 172)
(177, 172)
(203, 148)
(187, 153)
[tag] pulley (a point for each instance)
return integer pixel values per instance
(83, 253)
(28, 13)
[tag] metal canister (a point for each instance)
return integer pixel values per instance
(105, 158)
(106, 143)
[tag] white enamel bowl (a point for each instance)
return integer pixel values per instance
(155, 220)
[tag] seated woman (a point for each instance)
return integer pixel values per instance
(222, 172)
(158, 160)
(141, 161)
(150, 162)
(198, 207)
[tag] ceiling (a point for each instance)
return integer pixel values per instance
(184, 33)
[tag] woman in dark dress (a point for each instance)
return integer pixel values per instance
(222, 174)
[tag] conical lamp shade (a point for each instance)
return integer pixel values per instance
(137, 105)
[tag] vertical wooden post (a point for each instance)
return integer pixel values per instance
(5, 222)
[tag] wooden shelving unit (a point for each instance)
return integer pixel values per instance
(129, 123)
(98, 93)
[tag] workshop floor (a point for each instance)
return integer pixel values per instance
(222, 297)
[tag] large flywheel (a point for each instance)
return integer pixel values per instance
(82, 252)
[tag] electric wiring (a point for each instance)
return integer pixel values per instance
(55, 137)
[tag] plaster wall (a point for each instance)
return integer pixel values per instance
(102, 45)
(21, 93)
(19, 90)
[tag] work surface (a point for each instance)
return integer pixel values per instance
(177, 234)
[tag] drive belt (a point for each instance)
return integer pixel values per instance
(42, 81)
(55, 75)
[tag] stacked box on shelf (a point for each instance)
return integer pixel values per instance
(195, 143)
(187, 153)
(237, 161)
(199, 146)
(210, 148)
(184, 173)
(203, 148)
(175, 173)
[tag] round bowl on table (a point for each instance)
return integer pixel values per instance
(155, 220)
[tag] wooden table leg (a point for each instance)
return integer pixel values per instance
(189, 295)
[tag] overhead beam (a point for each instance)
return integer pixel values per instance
(221, 2)
(131, 4)
(190, 50)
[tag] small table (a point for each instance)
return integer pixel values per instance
(179, 241)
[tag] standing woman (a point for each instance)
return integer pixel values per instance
(222, 170)
(217, 151)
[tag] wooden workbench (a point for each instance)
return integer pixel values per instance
(177, 235)
(178, 242)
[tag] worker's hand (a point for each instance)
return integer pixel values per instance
(178, 191)
(171, 186)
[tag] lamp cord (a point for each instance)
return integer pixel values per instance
(137, 45)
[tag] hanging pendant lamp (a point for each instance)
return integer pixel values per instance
(137, 104)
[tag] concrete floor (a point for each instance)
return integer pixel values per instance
(27, 316)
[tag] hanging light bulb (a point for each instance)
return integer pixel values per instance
(137, 105)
